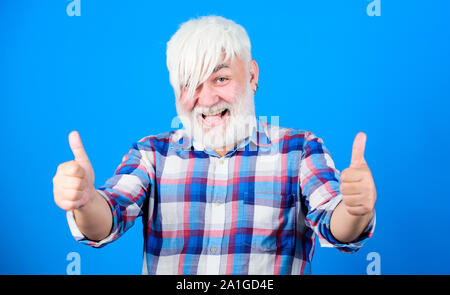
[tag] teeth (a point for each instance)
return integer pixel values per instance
(214, 112)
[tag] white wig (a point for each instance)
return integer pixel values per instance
(199, 45)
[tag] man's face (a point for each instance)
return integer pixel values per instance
(221, 112)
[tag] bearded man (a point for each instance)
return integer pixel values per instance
(227, 194)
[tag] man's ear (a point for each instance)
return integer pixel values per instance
(254, 74)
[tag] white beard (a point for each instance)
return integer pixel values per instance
(238, 125)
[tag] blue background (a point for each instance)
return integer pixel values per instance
(325, 66)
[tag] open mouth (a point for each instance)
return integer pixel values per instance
(215, 118)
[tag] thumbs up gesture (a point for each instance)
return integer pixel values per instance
(73, 183)
(357, 185)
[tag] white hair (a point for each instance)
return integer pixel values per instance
(199, 46)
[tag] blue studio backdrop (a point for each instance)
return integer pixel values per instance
(330, 67)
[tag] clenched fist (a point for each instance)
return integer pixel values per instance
(357, 184)
(73, 184)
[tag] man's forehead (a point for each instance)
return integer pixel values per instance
(231, 62)
(221, 66)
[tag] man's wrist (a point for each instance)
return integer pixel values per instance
(346, 227)
(93, 195)
(359, 220)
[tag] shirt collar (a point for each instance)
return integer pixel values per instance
(259, 139)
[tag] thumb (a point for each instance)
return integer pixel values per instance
(359, 144)
(77, 147)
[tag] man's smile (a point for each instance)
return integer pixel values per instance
(214, 118)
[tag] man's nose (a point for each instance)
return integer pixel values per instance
(206, 95)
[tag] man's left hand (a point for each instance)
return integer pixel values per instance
(357, 184)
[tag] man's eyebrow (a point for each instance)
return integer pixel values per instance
(219, 67)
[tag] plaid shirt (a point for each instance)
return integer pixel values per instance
(257, 210)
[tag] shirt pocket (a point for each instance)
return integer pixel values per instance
(272, 216)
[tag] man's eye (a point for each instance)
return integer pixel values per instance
(221, 79)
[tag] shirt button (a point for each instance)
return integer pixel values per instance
(217, 204)
(221, 161)
(213, 250)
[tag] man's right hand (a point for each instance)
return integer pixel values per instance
(73, 184)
